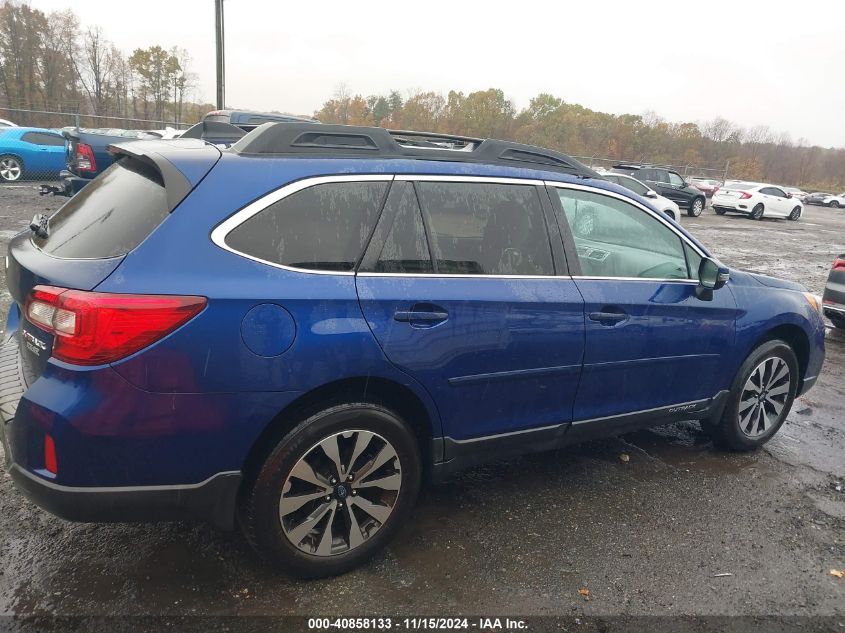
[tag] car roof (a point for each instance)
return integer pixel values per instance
(347, 141)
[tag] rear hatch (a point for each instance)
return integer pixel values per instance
(88, 237)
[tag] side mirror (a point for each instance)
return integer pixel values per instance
(651, 193)
(712, 275)
(788, 195)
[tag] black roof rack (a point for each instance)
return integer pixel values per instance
(347, 141)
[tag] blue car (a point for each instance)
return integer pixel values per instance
(292, 334)
(30, 152)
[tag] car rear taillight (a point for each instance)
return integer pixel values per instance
(92, 328)
(744, 195)
(85, 160)
(838, 264)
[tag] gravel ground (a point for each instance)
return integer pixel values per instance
(676, 527)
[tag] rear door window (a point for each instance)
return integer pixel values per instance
(323, 227)
(486, 229)
(405, 248)
(110, 216)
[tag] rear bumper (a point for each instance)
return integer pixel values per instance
(212, 500)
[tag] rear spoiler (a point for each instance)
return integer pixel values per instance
(215, 132)
(176, 183)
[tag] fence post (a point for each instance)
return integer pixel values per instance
(76, 117)
(727, 167)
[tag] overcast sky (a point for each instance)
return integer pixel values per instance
(756, 63)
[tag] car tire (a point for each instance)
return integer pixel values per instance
(838, 321)
(11, 168)
(719, 211)
(834, 204)
(796, 213)
(696, 207)
(362, 518)
(757, 212)
(670, 213)
(769, 376)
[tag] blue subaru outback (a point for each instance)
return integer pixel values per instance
(292, 334)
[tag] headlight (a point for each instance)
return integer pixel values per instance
(815, 301)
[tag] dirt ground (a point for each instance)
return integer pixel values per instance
(676, 528)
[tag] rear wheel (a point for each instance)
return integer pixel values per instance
(796, 213)
(719, 211)
(696, 207)
(757, 212)
(760, 399)
(838, 321)
(11, 168)
(834, 204)
(333, 491)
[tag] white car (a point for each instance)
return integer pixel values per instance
(757, 200)
(652, 197)
(795, 192)
(834, 201)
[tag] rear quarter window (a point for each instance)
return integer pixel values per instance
(110, 216)
(323, 227)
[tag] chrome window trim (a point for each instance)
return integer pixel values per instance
(494, 180)
(219, 233)
(655, 214)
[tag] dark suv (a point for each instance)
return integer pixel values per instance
(669, 184)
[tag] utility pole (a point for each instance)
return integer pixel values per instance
(221, 57)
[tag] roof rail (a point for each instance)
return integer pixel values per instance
(347, 141)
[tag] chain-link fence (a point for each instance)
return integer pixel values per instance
(687, 171)
(34, 150)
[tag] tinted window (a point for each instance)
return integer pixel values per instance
(217, 118)
(616, 239)
(633, 185)
(675, 179)
(405, 249)
(768, 191)
(486, 229)
(110, 216)
(324, 227)
(42, 138)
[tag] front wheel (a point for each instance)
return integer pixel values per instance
(760, 398)
(696, 207)
(838, 321)
(11, 168)
(834, 204)
(796, 213)
(757, 212)
(333, 491)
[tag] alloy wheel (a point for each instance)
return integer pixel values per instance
(10, 168)
(340, 493)
(764, 397)
(697, 207)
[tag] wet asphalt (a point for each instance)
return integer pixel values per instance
(655, 522)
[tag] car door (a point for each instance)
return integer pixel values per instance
(677, 188)
(462, 291)
(771, 202)
(650, 340)
(783, 202)
(46, 152)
